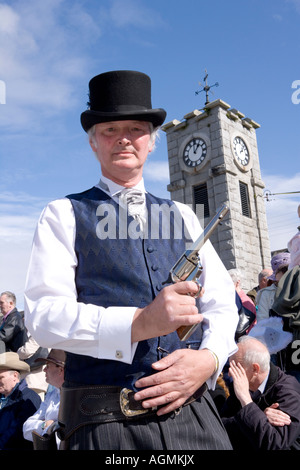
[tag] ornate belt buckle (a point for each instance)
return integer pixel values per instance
(125, 404)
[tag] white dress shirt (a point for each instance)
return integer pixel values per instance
(56, 320)
(48, 410)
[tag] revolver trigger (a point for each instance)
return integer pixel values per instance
(198, 291)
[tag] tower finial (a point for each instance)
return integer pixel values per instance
(206, 87)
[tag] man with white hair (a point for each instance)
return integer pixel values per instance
(17, 402)
(262, 411)
(12, 329)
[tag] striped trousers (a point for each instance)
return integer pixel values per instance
(197, 427)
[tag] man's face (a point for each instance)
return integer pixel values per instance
(8, 380)
(122, 148)
(54, 374)
(5, 304)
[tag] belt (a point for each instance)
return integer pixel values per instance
(102, 404)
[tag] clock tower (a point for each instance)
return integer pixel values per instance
(213, 160)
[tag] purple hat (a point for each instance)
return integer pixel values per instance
(279, 261)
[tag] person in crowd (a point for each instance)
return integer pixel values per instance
(99, 287)
(45, 420)
(262, 411)
(17, 402)
(12, 330)
(245, 306)
(265, 297)
(286, 305)
(36, 379)
(294, 247)
(263, 280)
(245, 299)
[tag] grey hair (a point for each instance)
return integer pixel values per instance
(256, 352)
(264, 273)
(10, 296)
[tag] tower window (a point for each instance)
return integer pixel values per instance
(201, 197)
(245, 202)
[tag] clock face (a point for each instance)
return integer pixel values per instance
(241, 151)
(194, 152)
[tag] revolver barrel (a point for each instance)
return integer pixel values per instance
(189, 268)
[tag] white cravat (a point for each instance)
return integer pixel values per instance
(134, 200)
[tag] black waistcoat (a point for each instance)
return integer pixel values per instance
(118, 270)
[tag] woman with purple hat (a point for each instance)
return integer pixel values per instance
(265, 297)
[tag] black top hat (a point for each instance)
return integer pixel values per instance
(121, 95)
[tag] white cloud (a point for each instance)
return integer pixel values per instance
(19, 215)
(134, 14)
(18, 218)
(14, 261)
(156, 171)
(41, 57)
(281, 208)
(8, 20)
(296, 4)
(46, 47)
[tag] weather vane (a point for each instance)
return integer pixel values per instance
(206, 87)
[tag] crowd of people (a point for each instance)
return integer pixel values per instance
(30, 381)
(100, 301)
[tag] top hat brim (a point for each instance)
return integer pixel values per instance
(89, 118)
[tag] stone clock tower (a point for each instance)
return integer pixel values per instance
(213, 159)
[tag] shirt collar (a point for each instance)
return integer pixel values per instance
(262, 386)
(6, 315)
(112, 188)
(4, 399)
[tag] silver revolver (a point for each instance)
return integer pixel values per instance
(189, 268)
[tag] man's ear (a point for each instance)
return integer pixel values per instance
(151, 146)
(93, 144)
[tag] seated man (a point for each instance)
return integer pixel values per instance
(46, 417)
(17, 402)
(262, 412)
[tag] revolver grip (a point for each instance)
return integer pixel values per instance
(184, 332)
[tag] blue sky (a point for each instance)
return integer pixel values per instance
(50, 49)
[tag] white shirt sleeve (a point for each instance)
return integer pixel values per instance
(52, 314)
(47, 410)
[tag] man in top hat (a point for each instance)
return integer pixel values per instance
(17, 402)
(98, 287)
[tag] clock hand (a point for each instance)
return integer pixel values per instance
(197, 145)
